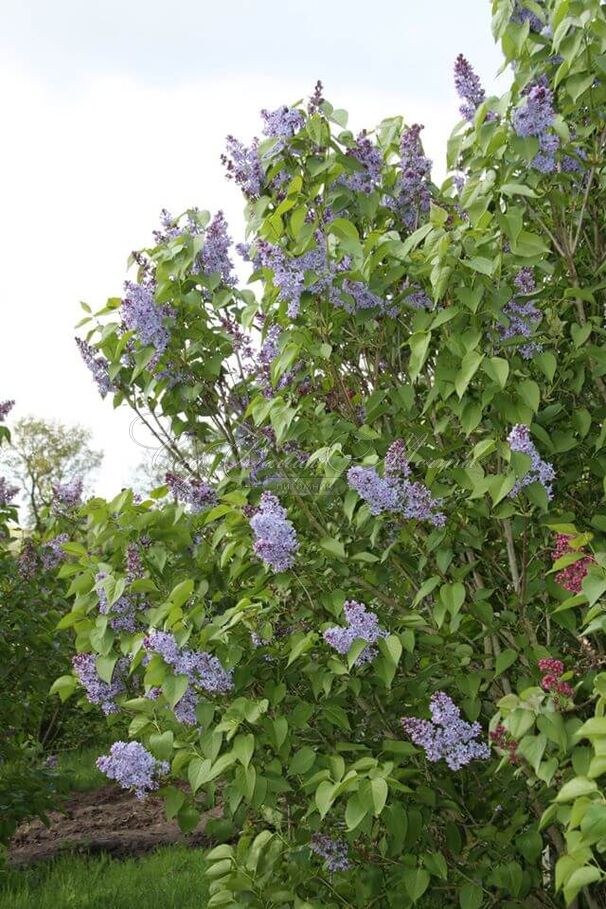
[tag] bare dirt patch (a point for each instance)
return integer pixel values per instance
(106, 820)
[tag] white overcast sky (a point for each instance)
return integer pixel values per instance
(112, 110)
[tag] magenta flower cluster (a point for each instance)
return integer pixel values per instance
(362, 625)
(540, 471)
(132, 767)
(275, 541)
(446, 736)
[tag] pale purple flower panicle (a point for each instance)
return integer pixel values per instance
(282, 123)
(395, 493)
(379, 494)
(132, 767)
(361, 625)
(123, 613)
(446, 736)
(276, 541)
(396, 463)
(5, 408)
(335, 852)
(215, 252)
(367, 177)
(243, 166)
(145, 317)
(193, 492)
(468, 86)
(97, 365)
(7, 492)
(363, 297)
(52, 553)
(523, 316)
(201, 669)
(414, 181)
(521, 14)
(539, 471)
(289, 272)
(98, 692)
(534, 117)
(69, 494)
(418, 299)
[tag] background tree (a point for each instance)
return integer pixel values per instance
(45, 454)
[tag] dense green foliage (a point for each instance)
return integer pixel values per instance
(310, 740)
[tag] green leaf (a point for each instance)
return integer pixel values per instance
(419, 345)
(355, 811)
(243, 748)
(504, 660)
(334, 547)
(469, 366)
(575, 788)
(470, 896)
(416, 882)
(181, 593)
(161, 745)
(379, 790)
(497, 369)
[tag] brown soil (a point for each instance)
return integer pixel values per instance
(107, 820)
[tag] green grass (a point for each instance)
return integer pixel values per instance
(81, 768)
(171, 878)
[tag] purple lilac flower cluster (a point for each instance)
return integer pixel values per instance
(98, 692)
(380, 494)
(535, 117)
(446, 736)
(5, 409)
(468, 86)
(7, 492)
(523, 316)
(122, 613)
(394, 492)
(201, 668)
(362, 297)
(367, 176)
(275, 541)
(334, 851)
(132, 767)
(146, 318)
(193, 492)
(282, 123)
(361, 625)
(214, 257)
(97, 366)
(52, 553)
(415, 177)
(243, 166)
(521, 14)
(416, 297)
(68, 495)
(539, 471)
(289, 272)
